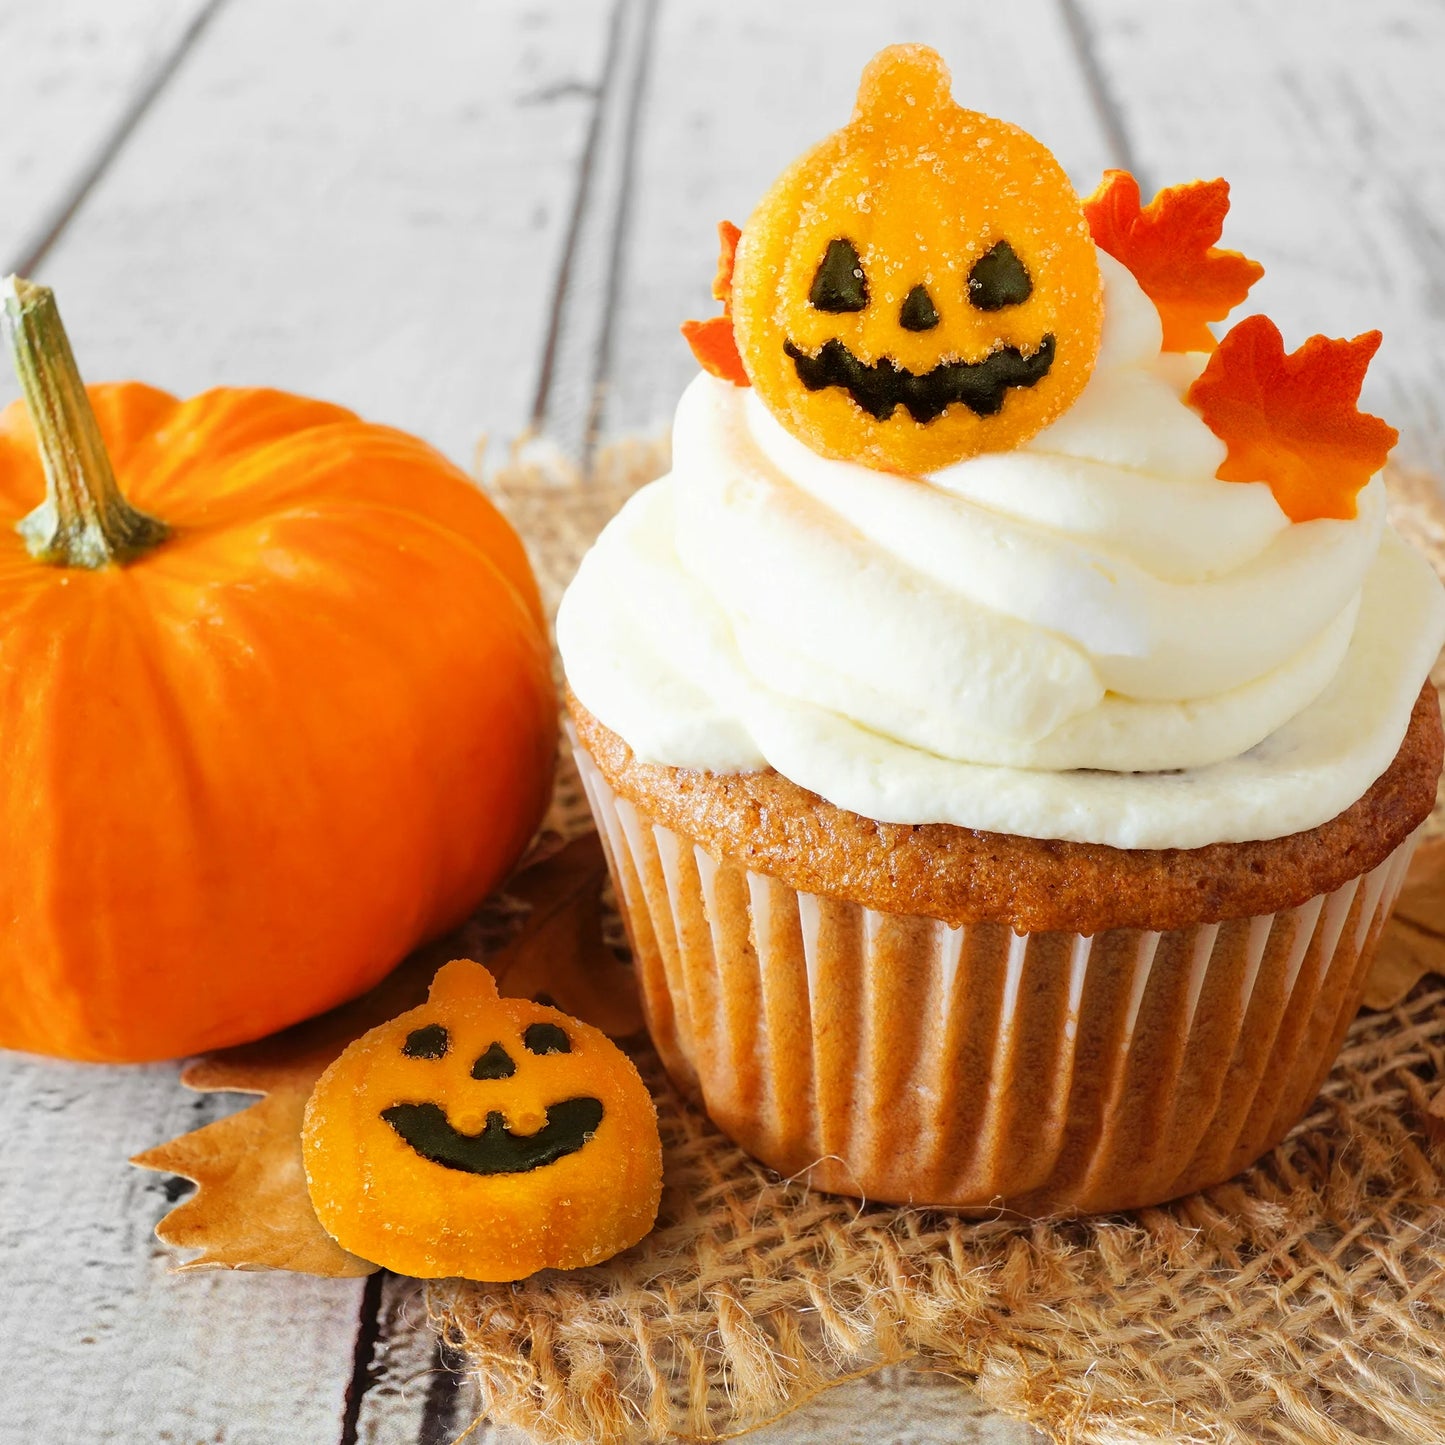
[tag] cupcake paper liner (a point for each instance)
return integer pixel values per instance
(898, 1058)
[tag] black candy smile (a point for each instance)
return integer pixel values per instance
(496, 1150)
(882, 386)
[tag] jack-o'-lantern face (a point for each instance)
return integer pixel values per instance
(921, 286)
(482, 1137)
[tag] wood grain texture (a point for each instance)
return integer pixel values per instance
(411, 1392)
(1327, 121)
(74, 71)
(98, 1334)
(584, 310)
(362, 202)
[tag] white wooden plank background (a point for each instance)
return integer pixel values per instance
(1328, 120)
(360, 201)
(467, 219)
(79, 76)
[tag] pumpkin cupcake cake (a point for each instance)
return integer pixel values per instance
(1008, 719)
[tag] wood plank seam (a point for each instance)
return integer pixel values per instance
(443, 1396)
(602, 363)
(585, 170)
(1111, 117)
(34, 250)
(1326, 130)
(368, 1334)
(585, 300)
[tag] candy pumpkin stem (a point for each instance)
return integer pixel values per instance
(84, 520)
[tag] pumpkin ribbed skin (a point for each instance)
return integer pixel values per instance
(248, 772)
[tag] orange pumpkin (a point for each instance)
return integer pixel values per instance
(284, 714)
(484, 1137)
(922, 285)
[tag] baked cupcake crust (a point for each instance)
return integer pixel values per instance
(964, 875)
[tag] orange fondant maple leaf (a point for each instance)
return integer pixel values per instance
(1169, 246)
(712, 341)
(1291, 419)
(728, 236)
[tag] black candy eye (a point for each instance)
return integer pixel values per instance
(839, 284)
(918, 313)
(496, 1063)
(430, 1042)
(998, 279)
(546, 1039)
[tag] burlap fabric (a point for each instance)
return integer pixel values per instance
(1303, 1302)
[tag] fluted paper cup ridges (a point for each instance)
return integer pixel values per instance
(898, 1058)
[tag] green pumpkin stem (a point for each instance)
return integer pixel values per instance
(84, 520)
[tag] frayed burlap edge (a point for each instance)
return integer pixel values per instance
(1303, 1302)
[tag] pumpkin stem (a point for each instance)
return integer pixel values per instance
(84, 520)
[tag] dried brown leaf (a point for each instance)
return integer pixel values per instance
(251, 1210)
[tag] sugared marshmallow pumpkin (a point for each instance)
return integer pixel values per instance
(921, 286)
(482, 1137)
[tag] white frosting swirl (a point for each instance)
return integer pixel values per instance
(1089, 637)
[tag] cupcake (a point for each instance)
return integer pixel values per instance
(1008, 721)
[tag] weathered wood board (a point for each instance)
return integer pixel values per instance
(1328, 120)
(363, 202)
(98, 1336)
(77, 75)
(463, 219)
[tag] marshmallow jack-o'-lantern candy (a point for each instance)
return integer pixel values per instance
(921, 286)
(482, 1137)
